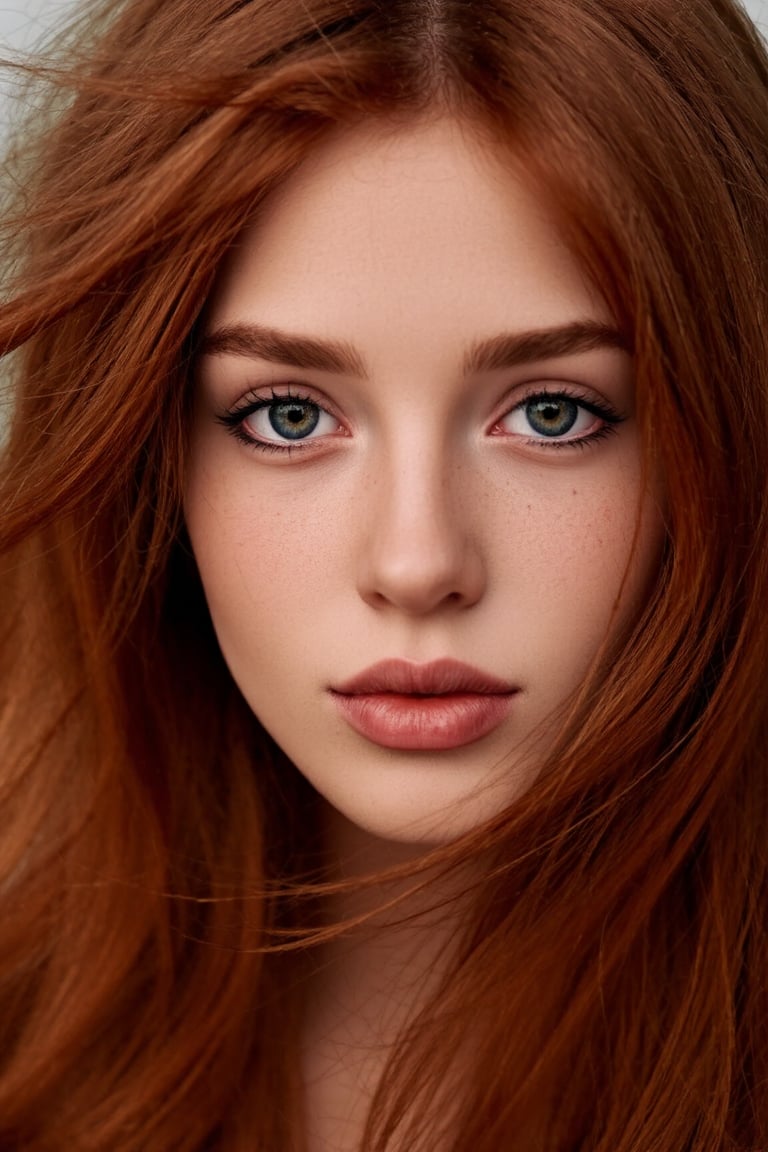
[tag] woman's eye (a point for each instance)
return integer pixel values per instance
(557, 417)
(289, 419)
(279, 421)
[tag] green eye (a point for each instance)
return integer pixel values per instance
(293, 419)
(558, 419)
(551, 415)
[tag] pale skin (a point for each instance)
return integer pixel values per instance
(427, 513)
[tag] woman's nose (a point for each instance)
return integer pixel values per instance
(420, 547)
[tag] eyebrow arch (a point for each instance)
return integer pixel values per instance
(506, 350)
(511, 349)
(263, 343)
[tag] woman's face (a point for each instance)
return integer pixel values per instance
(415, 478)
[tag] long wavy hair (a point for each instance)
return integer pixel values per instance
(157, 850)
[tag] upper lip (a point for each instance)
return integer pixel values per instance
(438, 678)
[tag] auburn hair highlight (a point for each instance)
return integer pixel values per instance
(159, 871)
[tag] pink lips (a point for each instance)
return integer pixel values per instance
(420, 707)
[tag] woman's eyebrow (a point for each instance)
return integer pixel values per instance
(510, 349)
(265, 343)
(506, 350)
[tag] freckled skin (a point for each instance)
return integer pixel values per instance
(419, 524)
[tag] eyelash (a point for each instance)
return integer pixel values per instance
(606, 412)
(234, 418)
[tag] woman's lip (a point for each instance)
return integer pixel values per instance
(423, 723)
(438, 678)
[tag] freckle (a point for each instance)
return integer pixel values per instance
(573, 491)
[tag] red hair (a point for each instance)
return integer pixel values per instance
(611, 981)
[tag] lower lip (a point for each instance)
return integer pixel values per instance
(421, 723)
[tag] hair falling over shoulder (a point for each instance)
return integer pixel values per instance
(611, 984)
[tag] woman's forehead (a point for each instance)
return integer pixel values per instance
(428, 223)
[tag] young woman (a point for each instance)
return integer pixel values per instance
(384, 575)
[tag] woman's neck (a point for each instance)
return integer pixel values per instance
(365, 984)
